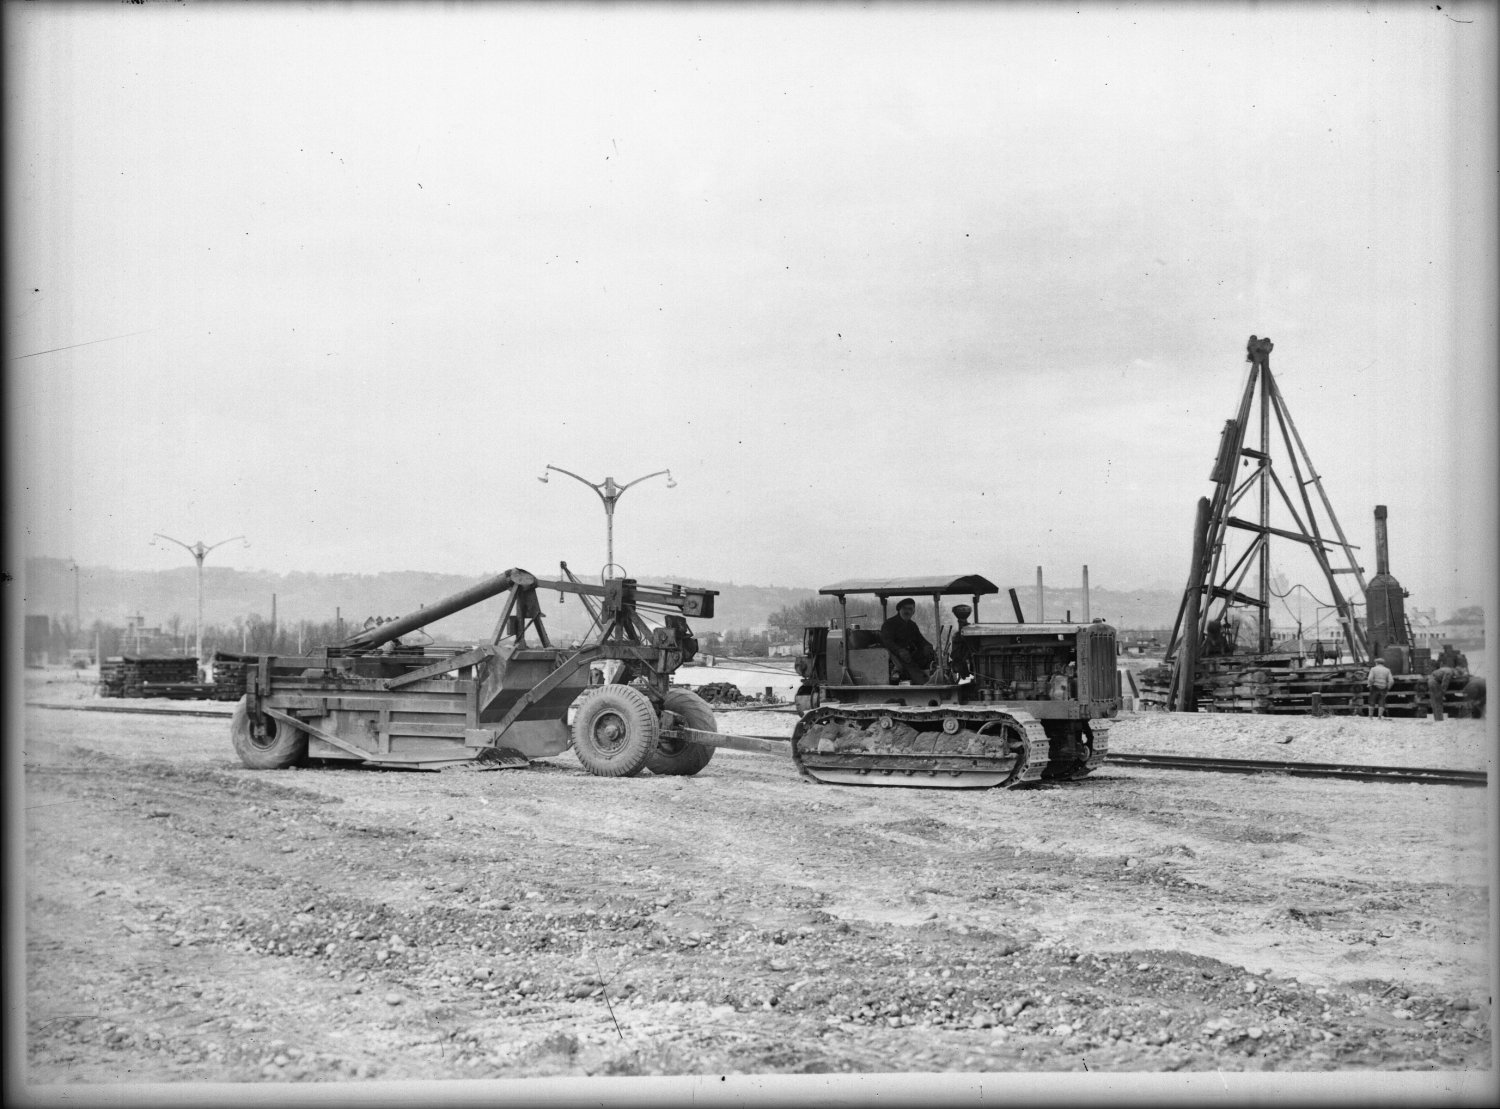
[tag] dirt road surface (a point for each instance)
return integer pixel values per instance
(188, 920)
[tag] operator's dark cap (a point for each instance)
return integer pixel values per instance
(904, 601)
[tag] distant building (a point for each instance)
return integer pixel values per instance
(1460, 635)
(138, 639)
(37, 639)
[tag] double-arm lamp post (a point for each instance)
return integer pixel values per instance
(609, 492)
(199, 551)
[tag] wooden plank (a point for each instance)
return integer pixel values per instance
(371, 703)
(400, 728)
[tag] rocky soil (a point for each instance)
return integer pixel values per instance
(190, 920)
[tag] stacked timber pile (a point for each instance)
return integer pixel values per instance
(112, 677)
(229, 675)
(1272, 685)
(145, 676)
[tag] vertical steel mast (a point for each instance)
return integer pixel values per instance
(1265, 496)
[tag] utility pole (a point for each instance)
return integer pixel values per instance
(77, 620)
(199, 551)
(609, 492)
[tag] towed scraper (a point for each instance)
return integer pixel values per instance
(501, 703)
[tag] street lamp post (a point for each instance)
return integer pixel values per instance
(199, 551)
(609, 492)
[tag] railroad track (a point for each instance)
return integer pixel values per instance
(1435, 775)
(143, 710)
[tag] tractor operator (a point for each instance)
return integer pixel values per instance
(906, 643)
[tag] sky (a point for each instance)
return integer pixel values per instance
(891, 289)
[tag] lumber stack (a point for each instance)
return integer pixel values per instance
(112, 677)
(229, 676)
(149, 676)
(1272, 686)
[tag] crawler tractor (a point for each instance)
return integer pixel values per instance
(373, 700)
(1004, 705)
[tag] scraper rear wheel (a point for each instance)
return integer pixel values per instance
(684, 757)
(271, 745)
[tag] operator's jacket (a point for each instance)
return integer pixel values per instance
(905, 641)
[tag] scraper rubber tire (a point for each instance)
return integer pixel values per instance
(615, 731)
(678, 757)
(283, 745)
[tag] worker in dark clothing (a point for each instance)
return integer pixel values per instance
(906, 643)
(960, 650)
(1437, 688)
(1215, 642)
(1447, 657)
(1474, 696)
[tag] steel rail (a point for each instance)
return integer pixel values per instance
(142, 710)
(1354, 771)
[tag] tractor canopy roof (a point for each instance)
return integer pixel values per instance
(942, 585)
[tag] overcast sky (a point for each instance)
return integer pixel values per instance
(891, 289)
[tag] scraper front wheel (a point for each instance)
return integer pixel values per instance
(615, 731)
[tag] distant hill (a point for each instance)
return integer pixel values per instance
(229, 595)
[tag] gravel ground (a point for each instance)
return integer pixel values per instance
(191, 921)
(1456, 744)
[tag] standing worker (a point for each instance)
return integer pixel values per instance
(1378, 681)
(906, 643)
(1437, 688)
(960, 649)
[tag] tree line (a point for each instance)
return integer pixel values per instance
(250, 634)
